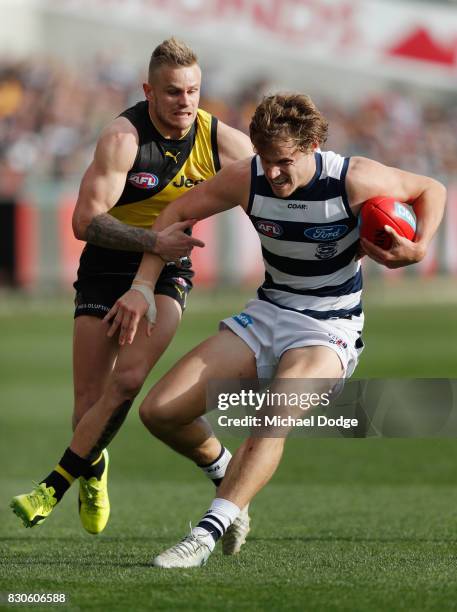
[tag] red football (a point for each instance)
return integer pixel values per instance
(381, 211)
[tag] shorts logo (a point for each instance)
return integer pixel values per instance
(337, 341)
(182, 293)
(243, 319)
(143, 180)
(325, 250)
(92, 307)
(323, 234)
(269, 228)
(404, 213)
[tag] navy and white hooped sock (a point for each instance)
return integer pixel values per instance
(216, 469)
(219, 517)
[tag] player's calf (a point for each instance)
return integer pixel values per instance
(215, 465)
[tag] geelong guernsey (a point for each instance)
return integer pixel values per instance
(309, 242)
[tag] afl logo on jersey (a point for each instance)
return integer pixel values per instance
(143, 180)
(327, 233)
(269, 228)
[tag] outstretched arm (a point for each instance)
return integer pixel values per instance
(367, 179)
(230, 187)
(232, 146)
(101, 187)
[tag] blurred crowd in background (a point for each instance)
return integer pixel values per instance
(51, 114)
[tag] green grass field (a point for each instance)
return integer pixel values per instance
(344, 525)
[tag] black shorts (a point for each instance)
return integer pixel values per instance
(96, 295)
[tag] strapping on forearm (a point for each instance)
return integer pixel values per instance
(146, 288)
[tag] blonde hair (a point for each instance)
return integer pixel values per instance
(288, 117)
(171, 52)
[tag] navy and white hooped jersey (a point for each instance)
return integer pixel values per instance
(309, 242)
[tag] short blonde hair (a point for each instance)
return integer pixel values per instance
(171, 52)
(288, 117)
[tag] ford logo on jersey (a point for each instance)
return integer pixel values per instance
(143, 180)
(269, 228)
(324, 233)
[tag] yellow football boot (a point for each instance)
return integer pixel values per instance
(94, 505)
(33, 508)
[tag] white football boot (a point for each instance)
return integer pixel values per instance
(193, 551)
(236, 534)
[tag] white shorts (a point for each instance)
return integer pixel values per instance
(270, 331)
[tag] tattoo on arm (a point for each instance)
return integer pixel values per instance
(107, 231)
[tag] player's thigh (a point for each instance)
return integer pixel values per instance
(94, 355)
(136, 360)
(310, 369)
(310, 362)
(303, 372)
(180, 395)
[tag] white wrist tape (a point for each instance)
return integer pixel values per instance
(148, 295)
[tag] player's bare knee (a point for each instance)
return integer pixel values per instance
(127, 383)
(153, 416)
(157, 417)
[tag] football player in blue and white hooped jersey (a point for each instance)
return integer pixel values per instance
(306, 320)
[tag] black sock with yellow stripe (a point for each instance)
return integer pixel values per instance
(70, 467)
(96, 468)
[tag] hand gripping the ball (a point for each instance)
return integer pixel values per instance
(402, 252)
(387, 231)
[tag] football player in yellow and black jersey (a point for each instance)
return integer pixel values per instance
(146, 158)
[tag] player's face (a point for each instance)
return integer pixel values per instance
(173, 98)
(286, 167)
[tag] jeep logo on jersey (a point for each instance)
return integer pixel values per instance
(325, 250)
(187, 182)
(269, 228)
(143, 180)
(329, 232)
